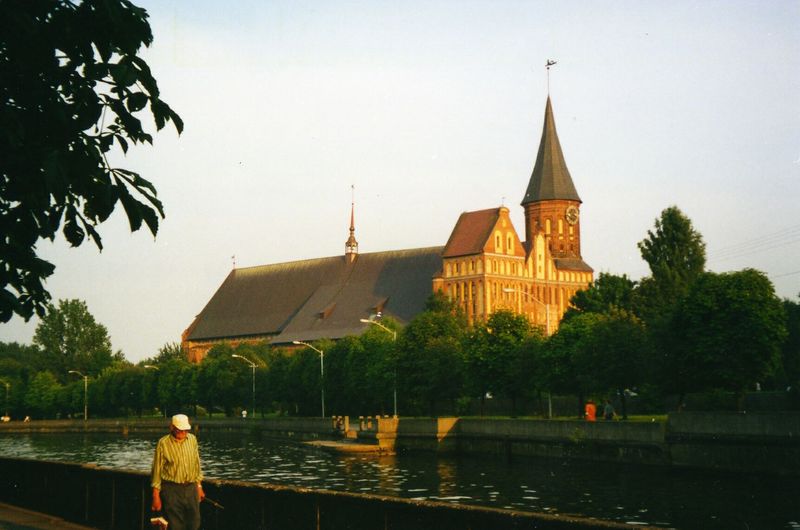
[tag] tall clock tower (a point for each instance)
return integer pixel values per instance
(551, 203)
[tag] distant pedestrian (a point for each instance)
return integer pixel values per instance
(590, 411)
(177, 478)
(608, 411)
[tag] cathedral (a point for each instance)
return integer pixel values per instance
(485, 266)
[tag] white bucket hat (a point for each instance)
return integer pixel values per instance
(181, 421)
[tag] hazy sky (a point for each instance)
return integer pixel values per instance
(434, 108)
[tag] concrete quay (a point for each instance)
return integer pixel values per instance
(16, 518)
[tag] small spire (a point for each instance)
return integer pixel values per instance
(351, 245)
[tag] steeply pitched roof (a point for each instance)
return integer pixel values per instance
(471, 232)
(572, 264)
(318, 298)
(550, 178)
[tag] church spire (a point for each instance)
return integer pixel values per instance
(550, 178)
(351, 245)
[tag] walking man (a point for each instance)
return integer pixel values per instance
(176, 477)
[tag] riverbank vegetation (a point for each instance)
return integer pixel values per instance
(681, 337)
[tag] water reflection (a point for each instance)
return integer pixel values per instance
(669, 498)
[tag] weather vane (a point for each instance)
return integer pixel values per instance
(548, 64)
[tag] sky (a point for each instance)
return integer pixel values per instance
(433, 108)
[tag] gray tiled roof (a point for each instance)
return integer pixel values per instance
(318, 298)
(550, 178)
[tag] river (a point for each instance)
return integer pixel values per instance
(670, 498)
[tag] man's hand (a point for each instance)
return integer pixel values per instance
(156, 506)
(200, 493)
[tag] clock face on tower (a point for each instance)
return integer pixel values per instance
(572, 215)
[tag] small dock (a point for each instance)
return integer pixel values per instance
(348, 447)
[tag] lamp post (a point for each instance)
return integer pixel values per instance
(321, 369)
(546, 306)
(156, 368)
(85, 393)
(8, 387)
(394, 340)
(253, 366)
(547, 332)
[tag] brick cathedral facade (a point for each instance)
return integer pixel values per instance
(487, 266)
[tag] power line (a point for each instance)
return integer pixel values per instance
(785, 274)
(781, 238)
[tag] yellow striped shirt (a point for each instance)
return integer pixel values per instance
(176, 461)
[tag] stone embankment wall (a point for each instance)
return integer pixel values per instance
(112, 499)
(760, 442)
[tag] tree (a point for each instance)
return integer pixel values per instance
(790, 351)
(607, 292)
(499, 356)
(170, 351)
(729, 331)
(41, 397)
(676, 254)
(71, 85)
(615, 351)
(73, 340)
(565, 365)
(178, 386)
(379, 370)
(221, 380)
(430, 362)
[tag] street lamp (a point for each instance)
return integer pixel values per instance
(321, 369)
(547, 332)
(156, 368)
(394, 340)
(253, 366)
(85, 393)
(546, 306)
(8, 387)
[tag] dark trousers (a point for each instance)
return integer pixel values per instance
(180, 505)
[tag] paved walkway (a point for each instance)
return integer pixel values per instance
(14, 518)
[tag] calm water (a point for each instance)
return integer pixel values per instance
(680, 499)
